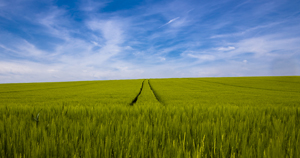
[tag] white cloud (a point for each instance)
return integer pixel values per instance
(162, 59)
(226, 48)
(55, 21)
(202, 57)
(8, 49)
(169, 22)
(23, 48)
(95, 43)
(270, 46)
(246, 31)
(29, 49)
(75, 59)
(172, 20)
(14, 68)
(110, 29)
(24, 71)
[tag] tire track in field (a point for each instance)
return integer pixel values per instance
(136, 98)
(155, 94)
(141, 90)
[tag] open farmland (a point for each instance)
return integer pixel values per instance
(192, 117)
(240, 91)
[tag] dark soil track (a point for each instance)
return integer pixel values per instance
(157, 98)
(136, 98)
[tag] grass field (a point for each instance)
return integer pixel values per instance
(191, 117)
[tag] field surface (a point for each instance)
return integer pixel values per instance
(189, 117)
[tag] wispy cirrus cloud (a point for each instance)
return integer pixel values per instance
(169, 22)
(226, 48)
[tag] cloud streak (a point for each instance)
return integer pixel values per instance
(169, 22)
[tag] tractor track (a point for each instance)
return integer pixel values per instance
(141, 89)
(156, 96)
(136, 98)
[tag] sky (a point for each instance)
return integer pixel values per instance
(73, 40)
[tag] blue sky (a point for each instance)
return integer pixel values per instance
(44, 40)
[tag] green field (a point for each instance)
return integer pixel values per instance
(190, 117)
